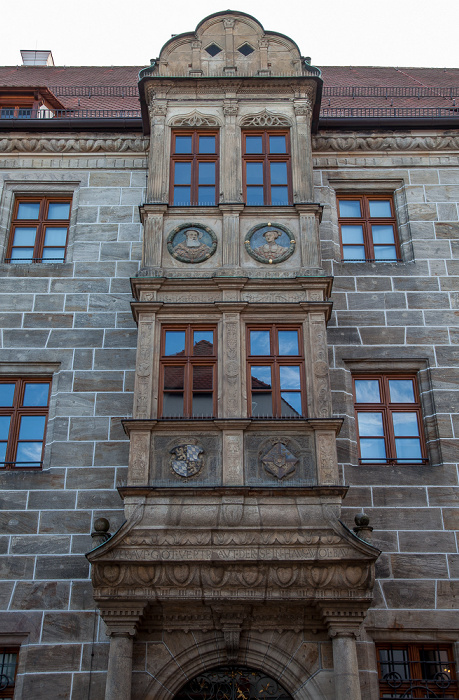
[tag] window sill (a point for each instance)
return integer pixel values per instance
(43, 269)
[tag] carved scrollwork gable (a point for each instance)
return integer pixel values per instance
(195, 119)
(265, 119)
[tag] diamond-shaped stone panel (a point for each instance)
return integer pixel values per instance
(246, 49)
(213, 49)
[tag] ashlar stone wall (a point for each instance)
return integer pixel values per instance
(73, 320)
(392, 316)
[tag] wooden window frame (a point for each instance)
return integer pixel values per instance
(194, 158)
(366, 221)
(188, 361)
(267, 158)
(40, 224)
(416, 685)
(9, 691)
(275, 360)
(16, 411)
(387, 408)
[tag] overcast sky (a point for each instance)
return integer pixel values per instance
(335, 32)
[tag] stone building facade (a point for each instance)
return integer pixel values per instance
(242, 301)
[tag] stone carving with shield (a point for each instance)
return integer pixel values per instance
(186, 460)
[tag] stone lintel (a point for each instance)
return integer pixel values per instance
(304, 492)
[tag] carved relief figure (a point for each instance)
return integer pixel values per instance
(191, 244)
(279, 461)
(270, 244)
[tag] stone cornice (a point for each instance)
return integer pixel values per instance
(344, 142)
(73, 143)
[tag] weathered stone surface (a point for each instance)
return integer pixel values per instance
(16, 522)
(50, 595)
(60, 522)
(60, 567)
(419, 566)
(42, 686)
(409, 594)
(39, 544)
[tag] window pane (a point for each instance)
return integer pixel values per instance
(24, 113)
(405, 424)
(289, 377)
(28, 210)
(174, 377)
(183, 144)
(4, 427)
(207, 144)
(401, 390)
(373, 449)
(254, 144)
(24, 236)
(385, 253)
(349, 208)
(206, 196)
(36, 394)
(54, 254)
(8, 666)
(277, 144)
(254, 173)
(206, 173)
(290, 404)
(182, 196)
(408, 448)
(260, 343)
(203, 343)
(261, 377)
(353, 252)
(173, 405)
(2, 452)
(370, 424)
(55, 236)
(6, 394)
(29, 453)
(383, 234)
(255, 196)
(278, 173)
(279, 196)
(182, 173)
(367, 391)
(202, 404)
(380, 207)
(32, 427)
(22, 255)
(58, 210)
(202, 378)
(288, 342)
(352, 234)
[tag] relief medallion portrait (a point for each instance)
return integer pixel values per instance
(190, 243)
(270, 243)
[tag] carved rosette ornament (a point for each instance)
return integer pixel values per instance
(270, 243)
(191, 243)
(279, 461)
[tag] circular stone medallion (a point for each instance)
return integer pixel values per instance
(191, 243)
(270, 243)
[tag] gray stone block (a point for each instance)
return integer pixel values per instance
(86, 215)
(50, 500)
(50, 595)
(86, 252)
(91, 478)
(83, 359)
(115, 214)
(94, 320)
(448, 594)
(97, 232)
(49, 302)
(40, 544)
(95, 269)
(99, 499)
(13, 568)
(409, 594)
(65, 522)
(25, 338)
(109, 179)
(75, 404)
(10, 320)
(16, 302)
(114, 359)
(89, 686)
(106, 404)
(18, 522)
(30, 480)
(43, 686)
(53, 657)
(98, 381)
(419, 566)
(80, 286)
(76, 302)
(427, 542)
(110, 302)
(82, 596)
(72, 454)
(88, 429)
(11, 500)
(75, 338)
(61, 567)
(402, 497)
(382, 336)
(120, 338)
(111, 454)
(6, 589)
(99, 195)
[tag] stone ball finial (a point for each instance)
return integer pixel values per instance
(362, 520)
(101, 525)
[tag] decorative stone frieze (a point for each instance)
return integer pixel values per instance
(382, 142)
(74, 144)
(265, 119)
(194, 120)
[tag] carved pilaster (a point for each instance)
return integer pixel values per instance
(139, 458)
(326, 459)
(144, 367)
(263, 45)
(231, 398)
(230, 235)
(309, 237)
(152, 220)
(343, 631)
(231, 173)
(320, 371)
(157, 171)
(196, 58)
(302, 151)
(228, 24)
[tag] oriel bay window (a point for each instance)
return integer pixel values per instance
(194, 168)
(266, 168)
(416, 671)
(368, 228)
(39, 230)
(188, 372)
(276, 371)
(389, 420)
(23, 418)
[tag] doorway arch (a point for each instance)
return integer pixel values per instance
(232, 683)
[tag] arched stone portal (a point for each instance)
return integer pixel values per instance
(232, 683)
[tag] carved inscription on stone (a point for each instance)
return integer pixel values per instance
(273, 297)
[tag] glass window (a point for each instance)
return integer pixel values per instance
(276, 371)
(188, 372)
(368, 228)
(39, 230)
(267, 176)
(194, 169)
(416, 671)
(23, 418)
(8, 670)
(388, 415)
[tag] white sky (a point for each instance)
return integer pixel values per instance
(333, 32)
